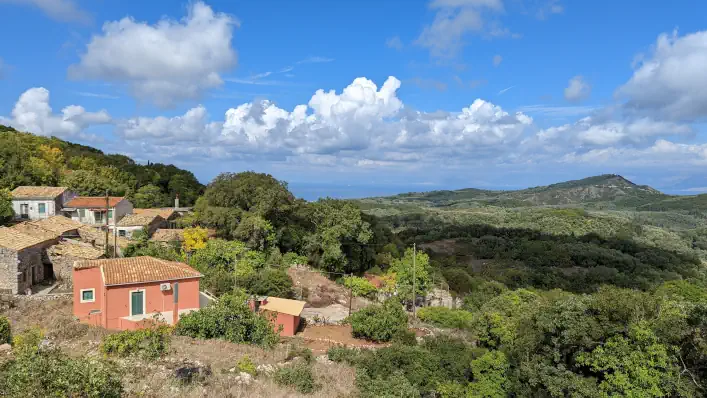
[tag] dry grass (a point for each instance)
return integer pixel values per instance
(156, 378)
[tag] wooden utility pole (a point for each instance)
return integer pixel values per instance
(414, 294)
(107, 208)
(350, 296)
(115, 239)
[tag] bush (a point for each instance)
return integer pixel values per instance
(360, 287)
(300, 352)
(148, 343)
(229, 319)
(446, 317)
(292, 258)
(406, 337)
(344, 354)
(246, 365)
(379, 322)
(299, 376)
(39, 372)
(5, 331)
(393, 386)
(269, 282)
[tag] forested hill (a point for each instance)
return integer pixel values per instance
(608, 191)
(28, 159)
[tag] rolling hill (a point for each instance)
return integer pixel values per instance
(608, 191)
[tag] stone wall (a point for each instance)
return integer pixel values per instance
(8, 270)
(63, 265)
(31, 262)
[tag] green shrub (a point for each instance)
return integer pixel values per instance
(292, 258)
(28, 341)
(406, 337)
(391, 386)
(148, 343)
(360, 287)
(299, 352)
(5, 331)
(379, 322)
(344, 354)
(36, 372)
(268, 282)
(229, 319)
(446, 317)
(299, 376)
(245, 364)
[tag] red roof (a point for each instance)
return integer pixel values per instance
(129, 270)
(93, 201)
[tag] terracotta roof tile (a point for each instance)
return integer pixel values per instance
(168, 235)
(76, 250)
(32, 229)
(98, 202)
(164, 212)
(27, 192)
(123, 271)
(16, 240)
(58, 224)
(93, 235)
(285, 306)
(138, 220)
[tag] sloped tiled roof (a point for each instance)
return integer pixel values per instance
(164, 212)
(97, 202)
(168, 235)
(27, 192)
(285, 306)
(93, 235)
(76, 250)
(138, 220)
(32, 229)
(58, 224)
(16, 240)
(123, 271)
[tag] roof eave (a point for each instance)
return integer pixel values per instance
(154, 281)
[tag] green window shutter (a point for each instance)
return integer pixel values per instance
(137, 302)
(42, 208)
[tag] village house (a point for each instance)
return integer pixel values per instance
(284, 314)
(22, 259)
(168, 214)
(64, 255)
(130, 293)
(34, 203)
(91, 210)
(132, 223)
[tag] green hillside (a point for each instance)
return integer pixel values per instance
(608, 192)
(28, 159)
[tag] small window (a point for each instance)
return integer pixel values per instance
(110, 214)
(82, 213)
(121, 232)
(42, 208)
(88, 295)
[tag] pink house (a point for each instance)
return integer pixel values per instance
(129, 293)
(282, 312)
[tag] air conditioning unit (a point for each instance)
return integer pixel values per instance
(165, 286)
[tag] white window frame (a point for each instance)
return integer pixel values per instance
(93, 294)
(144, 301)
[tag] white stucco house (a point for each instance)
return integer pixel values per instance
(36, 203)
(91, 210)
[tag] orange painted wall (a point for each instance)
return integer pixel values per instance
(288, 322)
(113, 302)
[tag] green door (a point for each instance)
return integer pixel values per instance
(137, 300)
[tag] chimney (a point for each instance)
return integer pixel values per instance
(176, 201)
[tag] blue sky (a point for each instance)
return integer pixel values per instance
(426, 94)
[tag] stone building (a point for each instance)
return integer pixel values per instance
(65, 254)
(22, 259)
(36, 203)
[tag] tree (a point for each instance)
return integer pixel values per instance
(338, 229)
(379, 322)
(269, 282)
(194, 239)
(489, 376)
(6, 211)
(149, 196)
(223, 262)
(403, 270)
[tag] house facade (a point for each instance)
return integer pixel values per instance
(137, 222)
(130, 293)
(22, 259)
(36, 203)
(91, 210)
(284, 314)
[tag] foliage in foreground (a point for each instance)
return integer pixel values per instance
(149, 343)
(360, 287)
(379, 322)
(47, 372)
(446, 317)
(229, 319)
(5, 331)
(298, 376)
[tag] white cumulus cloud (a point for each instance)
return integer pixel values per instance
(672, 78)
(166, 62)
(60, 10)
(577, 89)
(33, 113)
